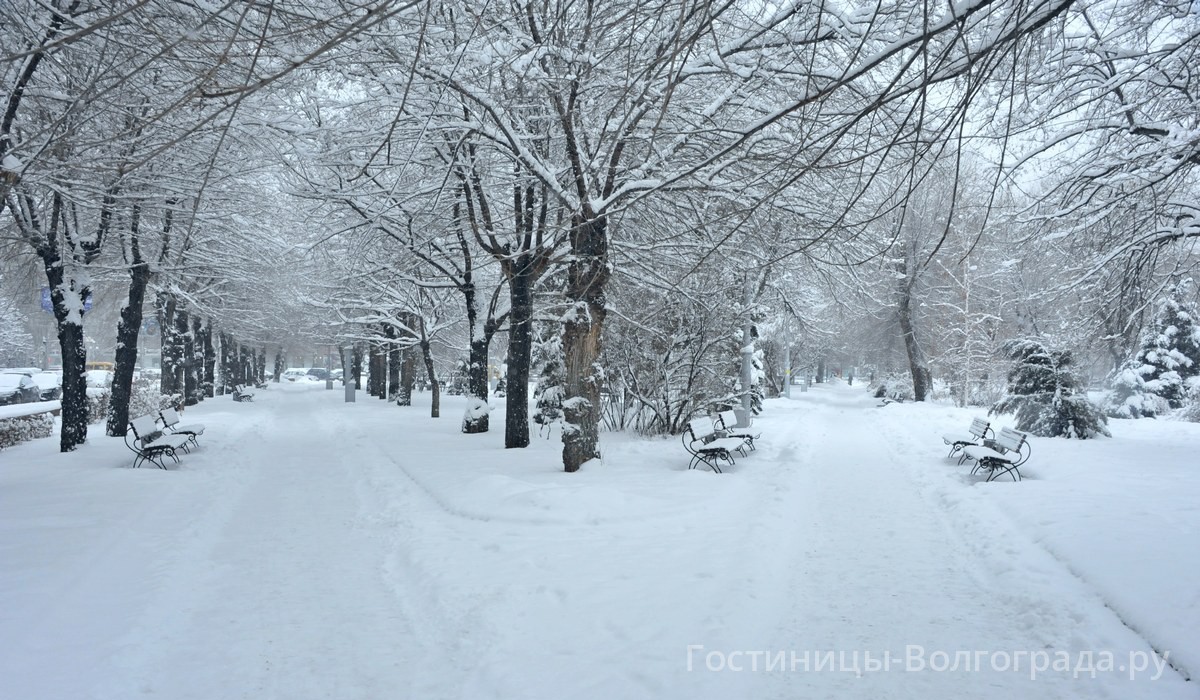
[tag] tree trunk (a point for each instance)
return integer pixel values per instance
(191, 363)
(127, 351)
(168, 360)
(280, 365)
(916, 358)
(587, 276)
(393, 359)
(477, 383)
(186, 368)
(408, 375)
(436, 390)
(210, 359)
(520, 352)
(74, 354)
(356, 366)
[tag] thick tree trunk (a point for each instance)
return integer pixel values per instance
(394, 360)
(280, 365)
(74, 355)
(356, 366)
(520, 351)
(408, 375)
(916, 357)
(377, 385)
(260, 369)
(168, 350)
(191, 361)
(74, 386)
(477, 383)
(127, 352)
(436, 390)
(587, 276)
(210, 360)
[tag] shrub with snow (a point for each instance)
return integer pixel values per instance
(15, 430)
(1156, 379)
(1045, 394)
(895, 386)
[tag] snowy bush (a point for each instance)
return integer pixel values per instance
(97, 400)
(549, 393)
(1044, 393)
(1192, 411)
(1157, 379)
(15, 430)
(895, 386)
(477, 410)
(145, 398)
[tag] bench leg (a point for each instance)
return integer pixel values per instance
(1001, 468)
(709, 460)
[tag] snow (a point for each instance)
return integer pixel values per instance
(313, 548)
(17, 410)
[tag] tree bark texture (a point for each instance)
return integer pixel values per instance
(583, 325)
(128, 328)
(520, 350)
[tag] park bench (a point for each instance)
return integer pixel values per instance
(170, 421)
(242, 393)
(149, 444)
(707, 446)
(978, 432)
(1003, 455)
(726, 422)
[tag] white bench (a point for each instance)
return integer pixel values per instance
(242, 393)
(149, 444)
(707, 446)
(1001, 456)
(170, 421)
(725, 426)
(975, 435)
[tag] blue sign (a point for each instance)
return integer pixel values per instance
(48, 303)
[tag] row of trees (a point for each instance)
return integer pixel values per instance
(632, 197)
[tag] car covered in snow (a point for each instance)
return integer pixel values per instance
(18, 387)
(49, 384)
(294, 374)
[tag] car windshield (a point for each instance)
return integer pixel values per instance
(10, 381)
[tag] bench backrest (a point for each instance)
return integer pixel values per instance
(701, 428)
(144, 427)
(170, 416)
(728, 420)
(1011, 440)
(980, 427)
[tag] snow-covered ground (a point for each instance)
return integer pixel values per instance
(317, 549)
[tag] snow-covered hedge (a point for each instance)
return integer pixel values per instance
(897, 387)
(97, 405)
(15, 430)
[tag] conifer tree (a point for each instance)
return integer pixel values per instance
(1044, 393)
(1158, 378)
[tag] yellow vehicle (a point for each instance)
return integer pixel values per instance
(100, 365)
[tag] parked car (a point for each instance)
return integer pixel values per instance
(294, 374)
(18, 388)
(49, 384)
(337, 374)
(319, 373)
(101, 378)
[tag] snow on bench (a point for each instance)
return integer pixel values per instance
(170, 421)
(1001, 456)
(149, 444)
(975, 435)
(707, 446)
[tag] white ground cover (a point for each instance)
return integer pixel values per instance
(316, 549)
